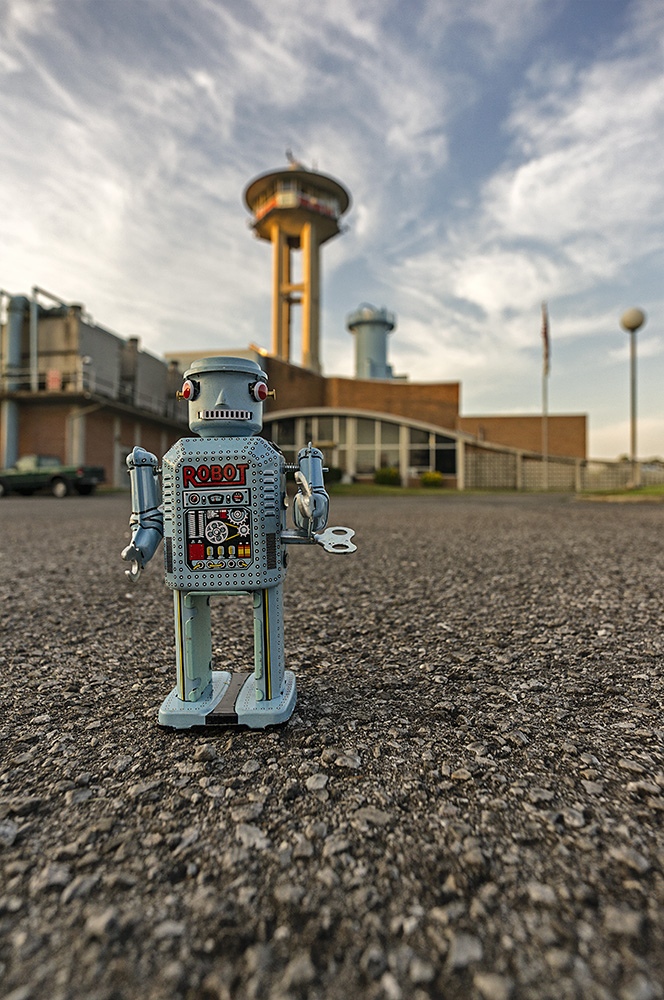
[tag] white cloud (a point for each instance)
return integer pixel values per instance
(577, 198)
(587, 158)
(502, 280)
(489, 28)
(20, 18)
(126, 142)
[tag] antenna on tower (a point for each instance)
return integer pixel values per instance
(293, 161)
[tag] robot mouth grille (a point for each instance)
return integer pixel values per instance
(225, 414)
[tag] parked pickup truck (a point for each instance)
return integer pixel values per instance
(38, 472)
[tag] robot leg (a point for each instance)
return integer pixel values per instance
(269, 694)
(198, 689)
(269, 643)
(193, 645)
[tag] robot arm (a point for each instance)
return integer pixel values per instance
(147, 520)
(311, 506)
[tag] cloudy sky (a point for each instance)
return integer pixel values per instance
(497, 152)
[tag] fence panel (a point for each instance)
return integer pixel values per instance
(496, 468)
(490, 470)
(558, 474)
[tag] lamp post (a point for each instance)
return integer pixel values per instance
(631, 321)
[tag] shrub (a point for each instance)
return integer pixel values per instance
(387, 477)
(431, 480)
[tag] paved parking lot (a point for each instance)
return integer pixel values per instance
(467, 802)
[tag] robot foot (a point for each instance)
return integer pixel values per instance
(184, 714)
(257, 714)
(232, 703)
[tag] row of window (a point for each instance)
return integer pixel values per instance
(287, 194)
(360, 445)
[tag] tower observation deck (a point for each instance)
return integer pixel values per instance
(296, 209)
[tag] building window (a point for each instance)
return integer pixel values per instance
(419, 452)
(389, 458)
(365, 461)
(389, 433)
(418, 437)
(341, 430)
(445, 455)
(366, 431)
(446, 461)
(284, 431)
(325, 429)
(419, 458)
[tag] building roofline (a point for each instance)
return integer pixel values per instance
(463, 436)
(344, 411)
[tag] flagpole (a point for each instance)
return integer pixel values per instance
(545, 428)
(545, 397)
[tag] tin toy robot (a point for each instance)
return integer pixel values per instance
(223, 522)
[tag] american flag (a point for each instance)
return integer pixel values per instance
(545, 337)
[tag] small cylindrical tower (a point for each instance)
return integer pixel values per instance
(371, 327)
(296, 209)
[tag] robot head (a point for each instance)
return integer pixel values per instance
(225, 397)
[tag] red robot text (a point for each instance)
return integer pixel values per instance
(218, 475)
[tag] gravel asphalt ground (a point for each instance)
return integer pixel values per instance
(467, 802)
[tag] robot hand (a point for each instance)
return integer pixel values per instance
(147, 519)
(310, 510)
(303, 496)
(312, 507)
(135, 557)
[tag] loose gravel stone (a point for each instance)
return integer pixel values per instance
(492, 986)
(467, 802)
(8, 832)
(317, 781)
(465, 950)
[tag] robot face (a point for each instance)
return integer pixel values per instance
(225, 397)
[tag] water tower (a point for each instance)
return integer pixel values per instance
(296, 209)
(371, 327)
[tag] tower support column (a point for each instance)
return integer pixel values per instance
(310, 297)
(296, 209)
(281, 319)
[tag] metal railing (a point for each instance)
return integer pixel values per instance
(85, 379)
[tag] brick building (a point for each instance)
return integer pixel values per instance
(73, 389)
(365, 424)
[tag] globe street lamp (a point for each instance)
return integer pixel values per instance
(631, 321)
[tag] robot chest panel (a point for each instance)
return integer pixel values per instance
(221, 514)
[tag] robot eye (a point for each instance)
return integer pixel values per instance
(259, 391)
(190, 389)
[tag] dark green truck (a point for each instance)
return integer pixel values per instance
(40, 472)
